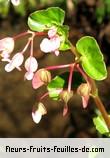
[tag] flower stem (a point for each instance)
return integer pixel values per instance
(29, 32)
(20, 35)
(103, 111)
(94, 94)
(70, 77)
(57, 67)
(74, 51)
(43, 96)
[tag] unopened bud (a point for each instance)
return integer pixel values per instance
(66, 95)
(38, 113)
(84, 91)
(45, 76)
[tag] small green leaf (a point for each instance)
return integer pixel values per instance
(100, 125)
(63, 31)
(91, 58)
(56, 84)
(61, 82)
(44, 19)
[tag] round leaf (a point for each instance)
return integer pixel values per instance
(44, 19)
(91, 58)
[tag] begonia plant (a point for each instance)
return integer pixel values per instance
(87, 66)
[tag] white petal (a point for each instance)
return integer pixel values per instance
(7, 45)
(55, 43)
(45, 45)
(29, 75)
(42, 109)
(57, 52)
(36, 116)
(17, 59)
(9, 67)
(15, 2)
(31, 64)
(52, 32)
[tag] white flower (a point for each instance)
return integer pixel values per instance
(15, 2)
(16, 62)
(50, 45)
(6, 47)
(37, 114)
(31, 66)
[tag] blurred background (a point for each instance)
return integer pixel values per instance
(17, 97)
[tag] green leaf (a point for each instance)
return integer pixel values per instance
(61, 82)
(63, 31)
(91, 58)
(44, 19)
(100, 125)
(54, 85)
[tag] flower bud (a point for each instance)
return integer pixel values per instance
(66, 95)
(38, 113)
(45, 76)
(84, 91)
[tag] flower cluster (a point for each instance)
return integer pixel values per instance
(52, 43)
(42, 76)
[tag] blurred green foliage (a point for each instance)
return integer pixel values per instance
(28, 6)
(103, 10)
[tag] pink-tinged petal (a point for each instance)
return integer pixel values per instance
(52, 32)
(45, 45)
(65, 110)
(7, 45)
(57, 52)
(36, 82)
(15, 2)
(85, 100)
(29, 75)
(31, 64)
(5, 56)
(9, 67)
(17, 59)
(55, 43)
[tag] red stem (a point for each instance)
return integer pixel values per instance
(57, 67)
(44, 95)
(20, 35)
(29, 32)
(70, 77)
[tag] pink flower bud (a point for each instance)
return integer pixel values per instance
(45, 76)
(38, 113)
(84, 91)
(66, 95)
(36, 82)
(65, 110)
(52, 32)
(16, 61)
(6, 46)
(31, 64)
